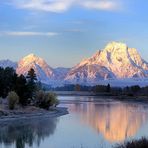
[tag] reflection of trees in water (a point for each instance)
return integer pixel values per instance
(27, 132)
(116, 121)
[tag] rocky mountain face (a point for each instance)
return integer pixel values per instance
(115, 61)
(88, 74)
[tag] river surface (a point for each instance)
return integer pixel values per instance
(92, 122)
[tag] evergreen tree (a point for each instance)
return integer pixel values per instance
(31, 76)
(22, 90)
(108, 89)
(8, 78)
(1, 81)
(31, 82)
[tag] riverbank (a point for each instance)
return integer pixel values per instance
(31, 112)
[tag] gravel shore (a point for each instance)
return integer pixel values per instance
(31, 113)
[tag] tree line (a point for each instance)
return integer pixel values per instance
(78, 87)
(128, 90)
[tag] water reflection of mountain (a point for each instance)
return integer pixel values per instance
(115, 121)
(27, 132)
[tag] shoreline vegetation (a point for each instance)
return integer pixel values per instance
(128, 93)
(22, 97)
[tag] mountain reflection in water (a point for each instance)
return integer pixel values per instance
(115, 121)
(24, 133)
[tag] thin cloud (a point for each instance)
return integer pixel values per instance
(44, 5)
(22, 33)
(102, 5)
(59, 6)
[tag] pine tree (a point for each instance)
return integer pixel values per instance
(1, 81)
(31, 76)
(108, 88)
(8, 78)
(31, 82)
(22, 90)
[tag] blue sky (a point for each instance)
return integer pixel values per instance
(63, 32)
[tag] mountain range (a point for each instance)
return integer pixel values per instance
(116, 62)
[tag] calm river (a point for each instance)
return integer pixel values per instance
(91, 123)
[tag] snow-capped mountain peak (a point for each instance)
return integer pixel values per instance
(115, 46)
(116, 60)
(43, 71)
(31, 58)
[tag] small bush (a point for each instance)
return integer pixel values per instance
(53, 99)
(141, 143)
(13, 99)
(45, 100)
